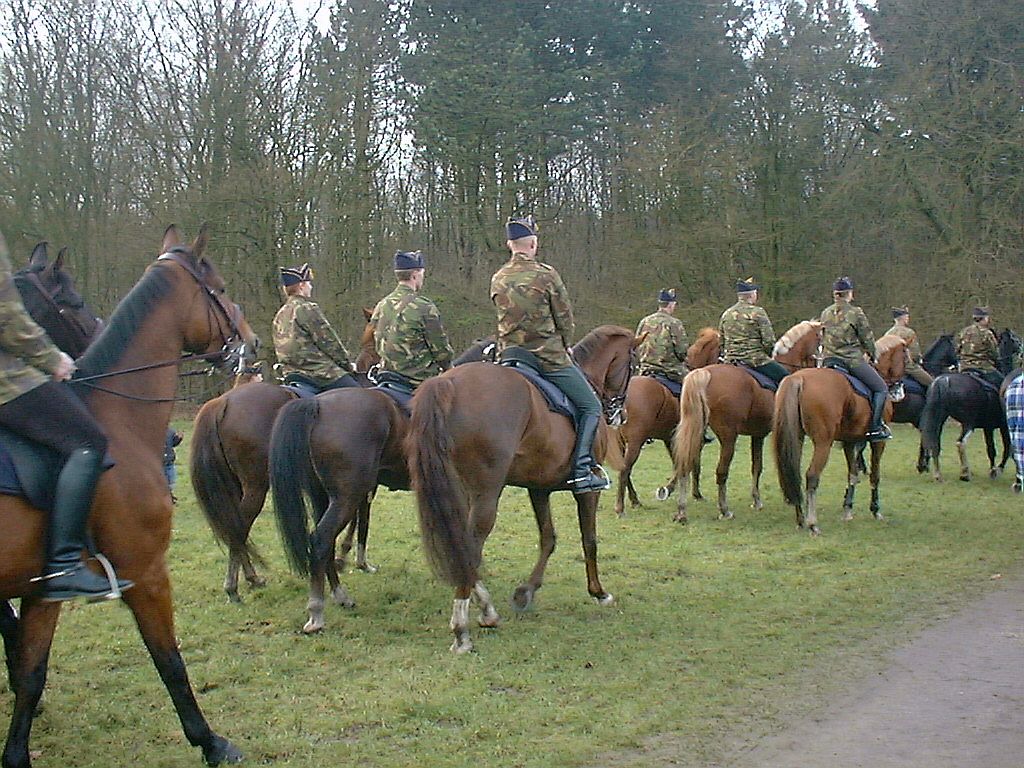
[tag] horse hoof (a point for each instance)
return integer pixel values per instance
(815, 531)
(757, 506)
(878, 515)
(679, 517)
(312, 626)
(234, 597)
(606, 599)
(258, 583)
(620, 513)
(726, 515)
(489, 620)
(662, 493)
(965, 478)
(993, 473)
(847, 515)
(341, 597)
(698, 496)
(222, 751)
(367, 568)
(461, 645)
(522, 598)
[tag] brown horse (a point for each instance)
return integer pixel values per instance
(652, 412)
(128, 378)
(480, 427)
(820, 402)
(733, 403)
(228, 466)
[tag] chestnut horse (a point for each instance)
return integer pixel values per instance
(480, 427)
(49, 294)
(730, 401)
(652, 412)
(127, 379)
(228, 466)
(822, 403)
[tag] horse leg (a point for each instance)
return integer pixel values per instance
(541, 502)
(9, 631)
(684, 487)
(31, 658)
(482, 514)
(1004, 433)
(990, 449)
(231, 577)
(877, 449)
(250, 507)
(922, 458)
(819, 459)
(669, 487)
(697, 495)
(854, 459)
(363, 528)
(322, 563)
(150, 603)
(586, 510)
(728, 449)
(961, 449)
(756, 467)
(626, 479)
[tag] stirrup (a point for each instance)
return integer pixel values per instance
(882, 432)
(591, 482)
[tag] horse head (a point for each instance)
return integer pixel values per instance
(891, 353)
(941, 355)
(214, 327)
(607, 356)
(1009, 345)
(367, 357)
(705, 350)
(49, 294)
(798, 347)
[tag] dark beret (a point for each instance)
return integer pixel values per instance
(843, 284)
(409, 260)
(520, 227)
(747, 285)
(666, 295)
(295, 275)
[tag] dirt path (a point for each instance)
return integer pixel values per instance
(953, 696)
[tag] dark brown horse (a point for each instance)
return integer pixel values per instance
(49, 294)
(733, 403)
(480, 427)
(128, 378)
(228, 466)
(652, 412)
(821, 403)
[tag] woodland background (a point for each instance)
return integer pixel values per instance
(659, 143)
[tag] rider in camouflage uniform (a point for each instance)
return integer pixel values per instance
(307, 348)
(663, 350)
(977, 348)
(901, 327)
(534, 314)
(407, 327)
(36, 407)
(747, 334)
(846, 339)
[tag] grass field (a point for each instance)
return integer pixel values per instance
(717, 627)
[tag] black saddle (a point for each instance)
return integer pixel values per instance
(980, 378)
(396, 386)
(858, 386)
(524, 362)
(301, 385)
(766, 382)
(673, 386)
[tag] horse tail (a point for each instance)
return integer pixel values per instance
(788, 438)
(216, 484)
(934, 414)
(293, 478)
(694, 414)
(441, 500)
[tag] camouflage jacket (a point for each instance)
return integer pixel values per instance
(664, 349)
(747, 334)
(409, 336)
(27, 356)
(305, 342)
(533, 310)
(846, 333)
(976, 347)
(909, 335)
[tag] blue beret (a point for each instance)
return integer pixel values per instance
(843, 284)
(408, 260)
(747, 285)
(520, 227)
(296, 275)
(899, 312)
(665, 295)
(980, 312)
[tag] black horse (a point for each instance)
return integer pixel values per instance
(48, 293)
(973, 404)
(940, 358)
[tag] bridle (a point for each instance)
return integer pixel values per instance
(233, 353)
(613, 405)
(68, 322)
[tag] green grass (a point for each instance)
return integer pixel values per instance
(716, 626)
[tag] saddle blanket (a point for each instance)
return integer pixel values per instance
(556, 399)
(766, 382)
(31, 470)
(858, 386)
(913, 386)
(675, 387)
(400, 395)
(982, 380)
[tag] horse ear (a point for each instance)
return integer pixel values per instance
(39, 256)
(172, 237)
(58, 263)
(367, 314)
(638, 340)
(201, 241)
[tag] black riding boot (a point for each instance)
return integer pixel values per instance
(66, 576)
(878, 429)
(583, 478)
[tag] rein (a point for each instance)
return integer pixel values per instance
(71, 325)
(613, 406)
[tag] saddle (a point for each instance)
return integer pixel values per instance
(397, 387)
(766, 382)
(913, 387)
(675, 387)
(30, 470)
(858, 386)
(526, 363)
(300, 385)
(985, 383)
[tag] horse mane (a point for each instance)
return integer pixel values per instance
(585, 348)
(887, 343)
(790, 338)
(132, 310)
